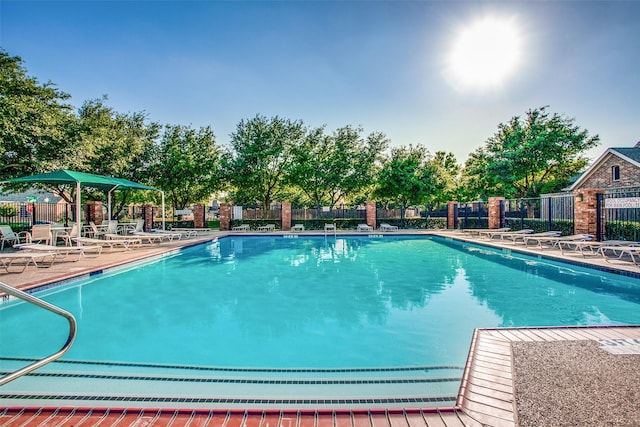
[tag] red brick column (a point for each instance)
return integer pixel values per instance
(371, 214)
(451, 219)
(225, 216)
(496, 212)
(585, 211)
(286, 216)
(148, 217)
(198, 216)
(95, 212)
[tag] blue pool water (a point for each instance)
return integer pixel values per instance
(274, 302)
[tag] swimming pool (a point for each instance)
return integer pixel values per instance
(391, 316)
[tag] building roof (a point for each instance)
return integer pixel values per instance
(629, 154)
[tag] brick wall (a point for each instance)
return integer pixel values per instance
(451, 215)
(198, 216)
(585, 211)
(286, 216)
(225, 216)
(496, 212)
(601, 176)
(95, 212)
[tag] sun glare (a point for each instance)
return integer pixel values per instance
(484, 54)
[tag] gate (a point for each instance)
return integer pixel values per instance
(621, 208)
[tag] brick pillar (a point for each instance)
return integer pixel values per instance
(95, 212)
(147, 212)
(452, 220)
(286, 216)
(198, 216)
(225, 216)
(585, 211)
(371, 214)
(496, 212)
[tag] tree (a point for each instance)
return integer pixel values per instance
(115, 144)
(529, 156)
(402, 179)
(258, 159)
(37, 128)
(330, 167)
(186, 165)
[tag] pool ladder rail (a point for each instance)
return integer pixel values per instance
(10, 290)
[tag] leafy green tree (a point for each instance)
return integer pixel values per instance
(406, 176)
(328, 168)
(259, 157)
(38, 129)
(186, 165)
(446, 179)
(530, 155)
(116, 144)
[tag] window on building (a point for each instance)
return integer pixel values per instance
(615, 173)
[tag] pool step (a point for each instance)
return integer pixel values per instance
(200, 387)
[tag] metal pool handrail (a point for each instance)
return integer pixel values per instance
(52, 308)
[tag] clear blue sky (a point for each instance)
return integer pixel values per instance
(382, 65)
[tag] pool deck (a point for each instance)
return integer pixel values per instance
(486, 396)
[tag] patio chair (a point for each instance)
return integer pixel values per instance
(364, 227)
(523, 238)
(487, 232)
(267, 228)
(96, 231)
(329, 227)
(8, 235)
(509, 234)
(632, 251)
(66, 236)
(297, 227)
(61, 252)
(243, 227)
(40, 233)
(387, 227)
(125, 243)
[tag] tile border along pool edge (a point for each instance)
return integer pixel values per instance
(471, 407)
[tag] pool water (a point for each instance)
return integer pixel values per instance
(315, 302)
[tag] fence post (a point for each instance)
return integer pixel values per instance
(586, 214)
(147, 214)
(198, 216)
(285, 216)
(452, 215)
(522, 213)
(225, 216)
(600, 218)
(371, 214)
(495, 211)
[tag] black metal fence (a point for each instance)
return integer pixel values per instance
(620, 208)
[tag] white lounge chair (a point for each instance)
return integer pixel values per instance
(125, 243)
(329, 227)
(62, 252)
(143, 237)
(7, 260)
(510, 234)
(486, 231)
(387, 227)
(8, 235)
(66, 236)
(243, 227)
(267, 228)
(364, 227)
(297, 228)
(524, 238)
(553, 241)
(632, 251)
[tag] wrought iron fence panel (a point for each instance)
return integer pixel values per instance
(622, 213)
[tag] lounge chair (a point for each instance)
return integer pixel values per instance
(170, 234)
(8, 235)
(6, 260)
(632, 251)
(40, 233)
(329, 227)
(553, 241)
(509, 234)
(243, 227)
(297, 227)
(364, 227)
(66, 236)
(96, 231)
(486, 231)
(524, 238)
(387, 227)
(591, 247)
(62, 252)
(111, 244)
(143, 237)
(267, 228)
(184, 232)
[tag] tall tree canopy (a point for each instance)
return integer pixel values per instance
(412, 176)
(328, 168)
(258, 159)
(186, 165)
(37, 128)
(531, 155)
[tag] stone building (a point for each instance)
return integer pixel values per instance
(615, 168)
